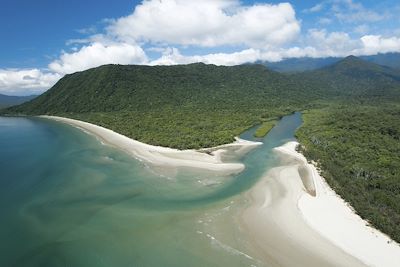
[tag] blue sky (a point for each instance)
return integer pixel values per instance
(38, 30)
(45, 39)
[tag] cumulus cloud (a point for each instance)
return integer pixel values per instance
(172, 56)
(373, 44)
(27, 81)
(208, 23)
(97, 54)
(321, 43)
(330, 43)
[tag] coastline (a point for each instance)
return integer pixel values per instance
(292, 211)
(205, 159)
(336, 220)
(294, 206)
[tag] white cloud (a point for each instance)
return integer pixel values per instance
(362, 29)
(359, 16)
(97, 54)
(26, 81)
(321, 43)
(88, 30)
(34, 81)
(349, 11)
(330, 43)
(325, 21)
(316, 8)
(172, 56)
(373, 44)
(208, 23)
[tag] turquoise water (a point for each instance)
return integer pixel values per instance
(68, 200)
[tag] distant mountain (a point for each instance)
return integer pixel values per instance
(389, 59)
(306, 63)
(300, 64)
(353, 76)
(8, 101)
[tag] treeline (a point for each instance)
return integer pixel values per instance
(188, 106)
(357, 146)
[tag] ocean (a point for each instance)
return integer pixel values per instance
(66, 199)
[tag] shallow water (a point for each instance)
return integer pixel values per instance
(68, 200)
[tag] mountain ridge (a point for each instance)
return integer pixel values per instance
(301, 64)
(7, 100)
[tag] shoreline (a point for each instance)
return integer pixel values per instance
(294, 206)
(335, 219)
(205, 159)
(276, 228)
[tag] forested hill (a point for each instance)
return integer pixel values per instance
(353, 76)
(142, 88)
(184, 106)
(197, 105)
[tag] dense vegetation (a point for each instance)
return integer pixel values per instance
(197, 105)
(351, 123)
(264, 128)
(357, 146)
(188, 106)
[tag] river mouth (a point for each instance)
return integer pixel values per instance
(77, 202)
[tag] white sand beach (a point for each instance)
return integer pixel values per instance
(333, 218)
(205, 159)
(295, 219)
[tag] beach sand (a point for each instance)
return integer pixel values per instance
(295, 219)
(205, 159)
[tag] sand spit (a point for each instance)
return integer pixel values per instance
(205, 159)
(333, 218)
(295, 219)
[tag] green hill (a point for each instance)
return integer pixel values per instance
(351, 110)
(184, 106)
(116, 88)
(355, 77)
(197, 105)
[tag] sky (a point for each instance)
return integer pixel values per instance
(43, 40)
